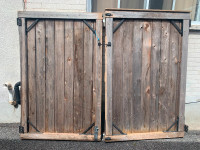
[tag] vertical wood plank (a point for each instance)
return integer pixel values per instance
(69, 76)
(50, 76)
(163, 91)
(108, 77)
(127, 63)
(137, 105)
(155, 74)
(88, 76)
(183, 74)
(173, 66)
(78, 75)
(31, 76)
(40, 75)
(59, 76)
(145, 80)
(97, 87)
(117, 77)
(24, 71)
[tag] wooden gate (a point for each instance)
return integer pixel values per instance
(61, 69)
(146, 59)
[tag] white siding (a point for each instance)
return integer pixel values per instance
(192, 111)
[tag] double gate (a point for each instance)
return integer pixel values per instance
(145, 74)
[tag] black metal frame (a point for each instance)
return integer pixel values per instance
(120, 23)
(118, 129)
(28, 122)
(177, 27)
(175, 123)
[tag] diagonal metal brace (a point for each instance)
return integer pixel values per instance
(177, 27)
(32, 25)
(175, 123)
(118, 129)
(121, 22)
(33, 126)
(90, 127)
(89, 26)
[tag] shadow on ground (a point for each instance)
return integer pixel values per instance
(9, 140)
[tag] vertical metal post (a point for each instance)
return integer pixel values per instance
(197, 11)
(118, 4)
(173, 4)
(146, 4)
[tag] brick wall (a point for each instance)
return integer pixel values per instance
(55, 5)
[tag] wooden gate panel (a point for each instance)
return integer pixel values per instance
(145, 71)
(64, 76)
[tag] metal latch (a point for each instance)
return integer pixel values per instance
(109, 44)
(96, 129)
(19, 21)
(21, 129)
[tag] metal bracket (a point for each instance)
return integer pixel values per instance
(176, 122)
(90, 127)
(32, 25)
(117, 27)
(21, 129)
(186, 128)
(177, 27)
(96, 129)
(118, 129)
(33, 126)
(19, 21)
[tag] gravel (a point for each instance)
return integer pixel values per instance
(9, 140)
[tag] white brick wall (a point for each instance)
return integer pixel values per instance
(55, 5)
(192, 111)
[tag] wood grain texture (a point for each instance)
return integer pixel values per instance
(145, 77)
(108, 77)
(59, 15)
(148, 15)
(97, 87)
(183, 74)
(78, 76)
(172, 82)
(163, 91)
(155, 74)
(117, 77)
(58, 136)
(59, 76)
(137, 105)
(127, 81)
(24, 71)
(40, 75)
(88, 76)
(31, 76)
(145, 136)
(69, 76)
(50, 77)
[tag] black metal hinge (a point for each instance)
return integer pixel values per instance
(96, 129)
(19, 21)
(21, 129)
(186, 128)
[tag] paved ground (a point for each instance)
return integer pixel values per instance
(9, 140)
